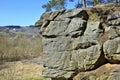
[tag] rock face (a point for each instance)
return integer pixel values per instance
(72, 45)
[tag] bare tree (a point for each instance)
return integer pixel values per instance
(117, 0)
(84, 3)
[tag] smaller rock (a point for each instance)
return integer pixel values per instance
(112, 50)
(76, 13)
(76, 27)
(114, 22)
(113, 32)
(85, 59)
(114, 16)
(56, 28)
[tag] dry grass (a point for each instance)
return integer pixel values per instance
(21, 71)
(18, 47)
(98, 12)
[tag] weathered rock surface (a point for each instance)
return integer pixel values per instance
(105, 72)
(74, 46)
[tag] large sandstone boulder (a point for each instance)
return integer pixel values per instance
(73, 44)
(58, 38)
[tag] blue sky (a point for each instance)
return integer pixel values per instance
(22, 12)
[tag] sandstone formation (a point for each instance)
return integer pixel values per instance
(76, 48)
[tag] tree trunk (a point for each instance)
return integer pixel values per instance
(84, 3)
(117, 1)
